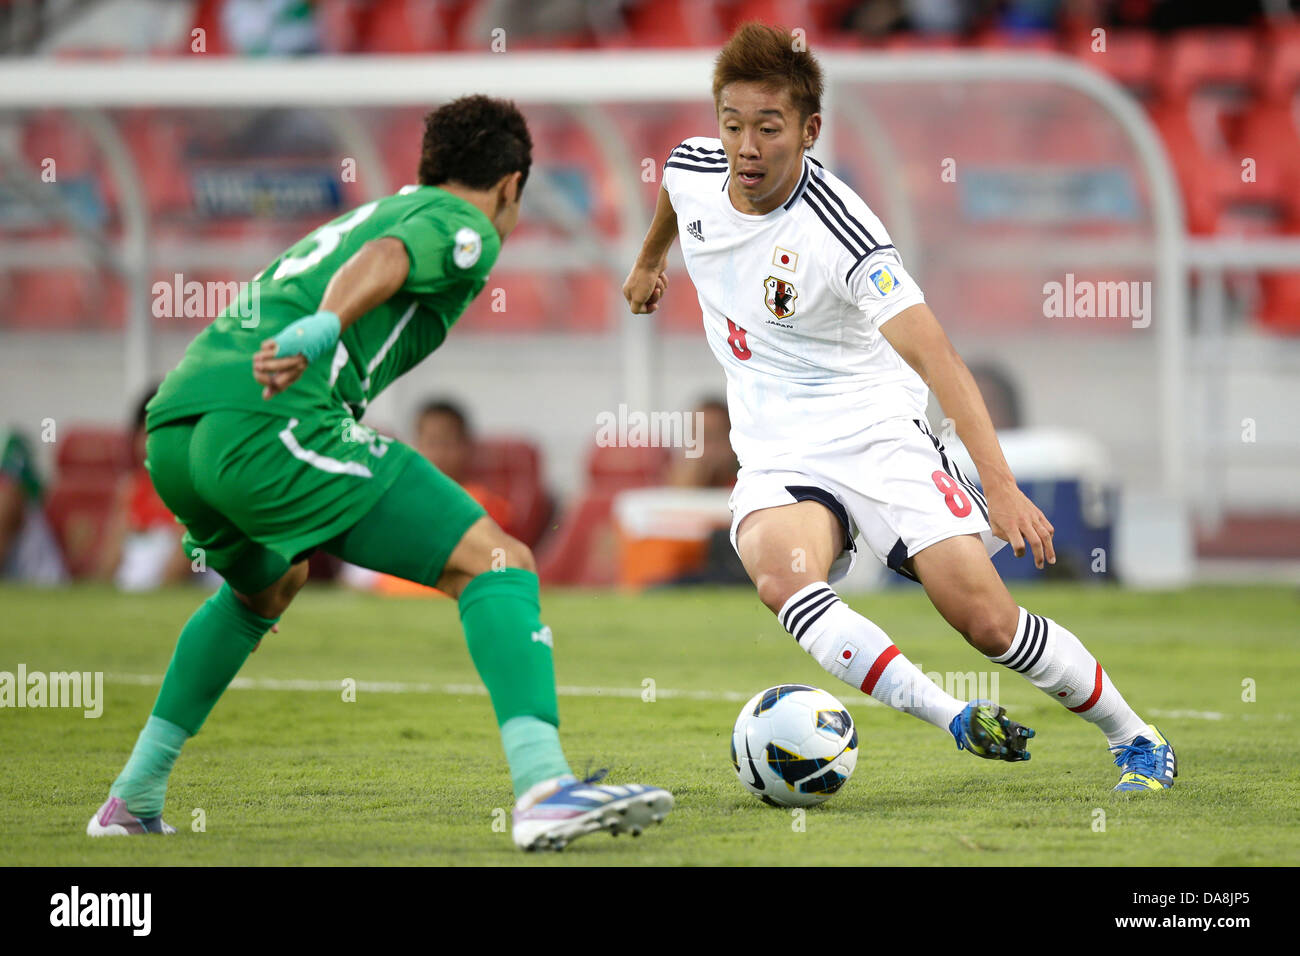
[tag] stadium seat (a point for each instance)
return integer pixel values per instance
(1279, 309)
(1021, 41)
(1131, 58)
(1267, 134)
(614, 468)
(404, 26)
(670, 24)
(1280, 78)
(591, 299)
(512, 469)
(78, 511)
(342, 24)
(207, 17)
(512, 302)
(1213, 59)
(583, 549)
(51, 299)
(89, 452)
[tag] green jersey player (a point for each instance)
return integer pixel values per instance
(255, 445)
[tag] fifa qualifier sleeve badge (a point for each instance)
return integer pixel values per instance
(884, 281)
(469, 246)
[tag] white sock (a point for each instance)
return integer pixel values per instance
(850, 647)
(1054, 661)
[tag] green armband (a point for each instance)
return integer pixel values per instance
(312, 336)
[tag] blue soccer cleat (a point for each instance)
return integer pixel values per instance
(579, 807)
(984, 729)
(114, 819)
(1148, 763)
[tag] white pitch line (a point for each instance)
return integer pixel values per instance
(410, 687)
(564, 690)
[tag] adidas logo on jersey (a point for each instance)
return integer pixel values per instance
(696, 230)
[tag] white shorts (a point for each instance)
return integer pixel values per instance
(897, 489)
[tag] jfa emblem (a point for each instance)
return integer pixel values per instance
(779, 298)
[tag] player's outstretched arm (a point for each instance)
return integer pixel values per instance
(648, 280)
(368, 278)
(917, 336)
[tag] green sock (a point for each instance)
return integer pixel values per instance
(212, 647)
(511, 650)
(143, 781)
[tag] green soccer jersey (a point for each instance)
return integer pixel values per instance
(451, 244)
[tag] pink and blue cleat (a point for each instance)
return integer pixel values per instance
(114, 819)
(550, 821)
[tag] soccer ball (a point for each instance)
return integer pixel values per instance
(794, 745)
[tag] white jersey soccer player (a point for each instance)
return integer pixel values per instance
(830, 353)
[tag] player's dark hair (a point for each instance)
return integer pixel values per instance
(758, 53)
(137, 420)
(445, 406)
(474, 141)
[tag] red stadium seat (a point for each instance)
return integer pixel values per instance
(208, 19)
(590, 299)
(670, 24)
(513, 469)
(1200, 175)
(1019, 40)
(52, 299)
(78, 511)
(790, 14)
(404, 26)
(86, 452)
(1279, 309)
(342, 24)
(1280, 78)
(614, 468)
(512, 302)
(1267, 134)
(1131, 57)
(582, 551)
(1214, 58)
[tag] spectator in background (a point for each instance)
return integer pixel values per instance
(142, 541)
(270, 27)
(28, 552)
(1000, 395)
(716, 465)
(443, 435)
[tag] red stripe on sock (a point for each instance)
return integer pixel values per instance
(1096, 694)
(878, 668)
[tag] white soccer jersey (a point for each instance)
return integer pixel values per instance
(793, 302)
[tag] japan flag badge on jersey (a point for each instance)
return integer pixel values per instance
(785, 259)
(848, 652)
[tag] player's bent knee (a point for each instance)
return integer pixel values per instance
(775, 589)
(990, 630)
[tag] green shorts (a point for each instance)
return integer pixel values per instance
(258, 492)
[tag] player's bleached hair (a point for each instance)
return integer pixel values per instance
(758, 53)
(474, 141)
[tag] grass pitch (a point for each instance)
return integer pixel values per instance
(287, 771)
